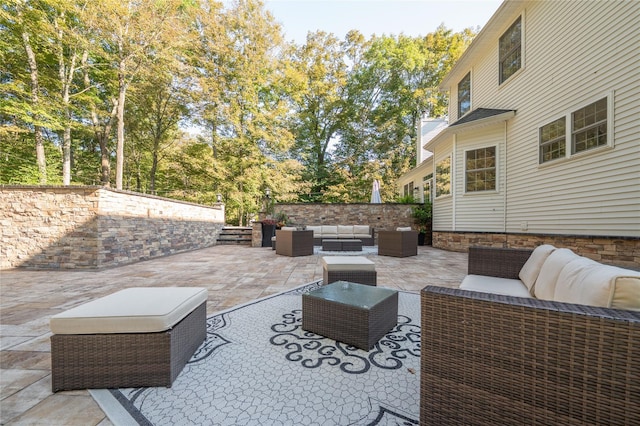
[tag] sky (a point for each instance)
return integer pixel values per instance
(410, 17)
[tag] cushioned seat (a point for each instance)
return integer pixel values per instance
(133, 310)
(137, 337)
(356, 269)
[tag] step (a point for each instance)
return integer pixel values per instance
(235, 235)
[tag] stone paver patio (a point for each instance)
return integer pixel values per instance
(232, 275)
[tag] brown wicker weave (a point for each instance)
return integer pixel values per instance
(397, 243)
(351, 323)
(501, 360)
(88, 361)
(497, 262)
(362, 277)
(342, 245)
(294, 243)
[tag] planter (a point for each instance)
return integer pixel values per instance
(268, 231)
(425, 238)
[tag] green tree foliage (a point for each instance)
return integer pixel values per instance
(189, 99)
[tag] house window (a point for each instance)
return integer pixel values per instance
(408, 189)
(510, 51)
(480, 173)
(464, 95)
(553, 140)
(589, 127)
(427, 195)
(443, 177)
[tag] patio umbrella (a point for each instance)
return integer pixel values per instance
(375, 194)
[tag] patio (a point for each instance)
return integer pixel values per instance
(233, 275)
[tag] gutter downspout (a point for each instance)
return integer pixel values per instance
(454, 193)
(505, 198)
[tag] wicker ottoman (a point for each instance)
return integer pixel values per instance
(136, 337)
(357, 269)
(358, 315)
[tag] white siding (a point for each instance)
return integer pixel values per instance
(482, 210)
(575, 53)
(443, 206)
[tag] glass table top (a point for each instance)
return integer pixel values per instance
(352, 294)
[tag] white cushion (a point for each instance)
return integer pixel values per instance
(329, 229)
(545, 285)
(587, 282)
(289, 228)
(403, 228)
(317, 230)
(345, 230)
(361, 236)
(348, 263)
(361, 230)
(133, 310)
(495, 285)
(530, 270)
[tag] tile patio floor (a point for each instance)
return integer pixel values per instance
(233, 275)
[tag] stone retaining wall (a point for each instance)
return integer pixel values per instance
(80, 227)
(618, 251)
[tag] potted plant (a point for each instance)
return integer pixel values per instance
(422, 219)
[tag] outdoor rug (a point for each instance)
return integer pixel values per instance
(258, 367)
(366, 250)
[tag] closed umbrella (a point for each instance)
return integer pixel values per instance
(375, 194)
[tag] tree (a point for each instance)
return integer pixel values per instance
(245, 108)
(319, 106)
(22, 82)
(133, 33)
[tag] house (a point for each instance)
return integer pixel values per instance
(544, 136)
(417, 182)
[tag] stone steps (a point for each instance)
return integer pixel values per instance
(235, 235)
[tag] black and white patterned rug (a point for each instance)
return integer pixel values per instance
(258, 367)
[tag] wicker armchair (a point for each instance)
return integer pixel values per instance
(294, 243)
(488, 359)
(397, 243)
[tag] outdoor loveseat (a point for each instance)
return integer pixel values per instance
(490, 359)
(365, 233)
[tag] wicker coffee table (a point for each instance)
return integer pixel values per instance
(342, 245)
(356, 314)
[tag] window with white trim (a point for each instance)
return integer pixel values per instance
(464, 95)
(480, 169)
(553, 140)
(427, 194)
(589, 127)
(510, 50)
(443, 177)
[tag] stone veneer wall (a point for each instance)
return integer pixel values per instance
(619, 251)
(89, 227)
(385, 216)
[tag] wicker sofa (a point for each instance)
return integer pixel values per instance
(358, 232)
(500, 359)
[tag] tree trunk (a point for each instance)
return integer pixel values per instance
(122, 91)
(101, 133)
(35, 90)
(65, 75)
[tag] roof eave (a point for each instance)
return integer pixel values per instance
(471, 125)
